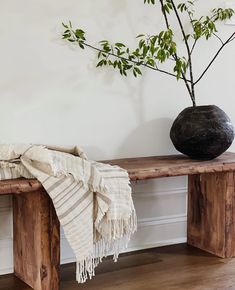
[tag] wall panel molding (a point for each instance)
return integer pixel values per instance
(145, 194)
(162, 220)
(153, 231)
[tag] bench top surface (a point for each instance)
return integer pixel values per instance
(173, 165)
(143, 168)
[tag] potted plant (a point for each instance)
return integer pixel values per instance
(202, 132)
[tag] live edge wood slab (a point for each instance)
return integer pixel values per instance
(210, 226)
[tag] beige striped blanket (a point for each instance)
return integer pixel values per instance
(92, 200)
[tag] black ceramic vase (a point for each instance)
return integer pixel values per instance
(202, 132)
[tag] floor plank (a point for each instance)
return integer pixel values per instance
(177, 267)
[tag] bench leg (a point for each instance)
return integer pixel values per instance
(211, 213)
(36, 232)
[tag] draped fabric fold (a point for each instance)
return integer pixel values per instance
(92, 200)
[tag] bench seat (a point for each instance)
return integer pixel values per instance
(210, 225)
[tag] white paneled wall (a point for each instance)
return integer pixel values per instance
(161, 210)
(6, 254)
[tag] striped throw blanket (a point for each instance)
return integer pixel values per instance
(92, 200)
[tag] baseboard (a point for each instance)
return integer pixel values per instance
(151, 233)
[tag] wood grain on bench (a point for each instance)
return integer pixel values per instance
(173, 165)
(210, 225)
(142, 168)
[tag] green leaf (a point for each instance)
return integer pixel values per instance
(79, 33)
(166, 9)
(81, 44)
(151, 62)
(141, 43)
(138, 70)
(188, 36)
(66, 36)
(124, 61)
(145, 50)
(134, 73)
(100, 63)
(119, 44)
(140, 35)
(153, 39)
(103, 41)
(65, 26)
(127, 67)
(149, 1)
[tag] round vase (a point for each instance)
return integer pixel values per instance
(202, 132)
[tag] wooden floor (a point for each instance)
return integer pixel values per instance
(178, 267)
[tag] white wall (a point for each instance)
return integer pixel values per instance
(50, 92)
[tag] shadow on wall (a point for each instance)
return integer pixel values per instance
(94, 153)
(150, 138)
(117, 7)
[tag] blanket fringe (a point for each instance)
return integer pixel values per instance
(120, 233)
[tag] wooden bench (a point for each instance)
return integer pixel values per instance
(211, 208)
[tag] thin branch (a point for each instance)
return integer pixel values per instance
(188, 51)
(215, 56)
(217, 36)
(133, 61)
(164, 14)
(190, 13)
(193, 46)
(175, 55)
(232, 39)
(191, 22)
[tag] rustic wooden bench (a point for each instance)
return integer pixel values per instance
(211, 208)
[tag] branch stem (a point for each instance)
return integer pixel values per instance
(133, 61)
(188, 51)
(220, 39)
(232, 37)
(176, 57)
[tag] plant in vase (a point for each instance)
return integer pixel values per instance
(202, 132)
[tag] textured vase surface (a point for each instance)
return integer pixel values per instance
(202, 132)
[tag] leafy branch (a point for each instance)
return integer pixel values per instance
(150, 49)
(153, 50)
